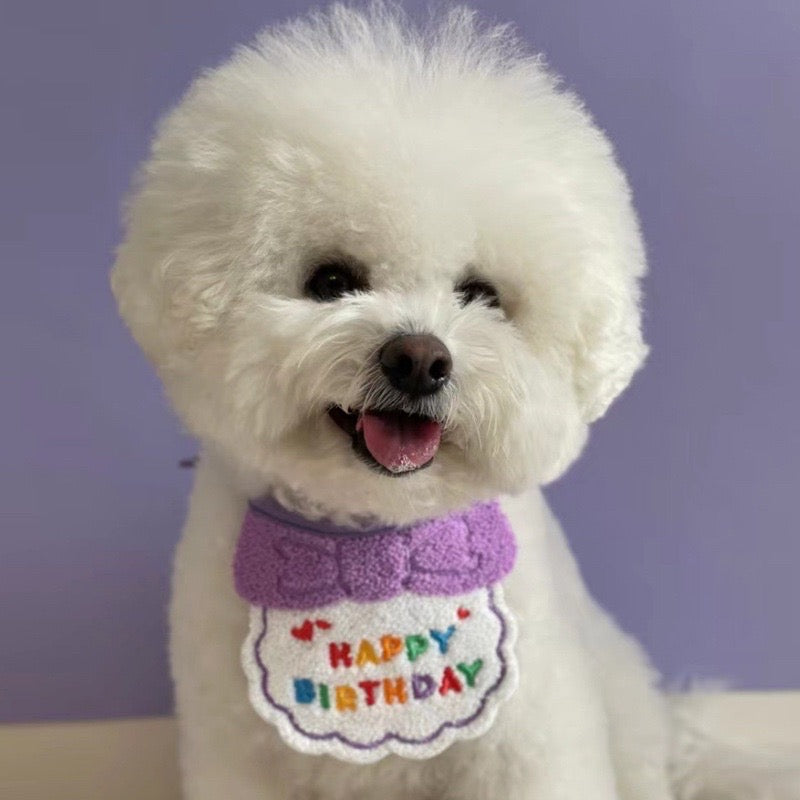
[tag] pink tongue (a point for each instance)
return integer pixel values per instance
(399, 442)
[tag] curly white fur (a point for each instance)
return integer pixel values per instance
(425, 154)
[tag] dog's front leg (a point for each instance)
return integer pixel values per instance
(226, 751)
(551, 740)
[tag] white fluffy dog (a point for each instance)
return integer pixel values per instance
(359, 249)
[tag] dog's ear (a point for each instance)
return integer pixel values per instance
(609, 347)
(169, 283)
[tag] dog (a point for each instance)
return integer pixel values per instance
(387, 273)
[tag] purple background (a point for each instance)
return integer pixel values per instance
(684, 509)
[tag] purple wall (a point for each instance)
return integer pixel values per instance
(684, 509)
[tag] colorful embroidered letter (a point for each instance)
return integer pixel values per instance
(416, 645)
(422, 685)
(303, 690)
(442, 638)
(394, 690)
(450, 683)
(340, 652)
(366, 653)
(369, 688)
(346, 698)
(324, 696)
(391, 646)
(469, 671)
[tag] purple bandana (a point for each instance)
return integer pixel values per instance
(285, 561)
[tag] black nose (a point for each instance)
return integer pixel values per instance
(417, 363)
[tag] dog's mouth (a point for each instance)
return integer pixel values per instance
(392, 441)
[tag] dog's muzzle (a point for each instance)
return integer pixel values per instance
(397, 436)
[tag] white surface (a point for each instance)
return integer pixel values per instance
(120, 759)
(135, 759)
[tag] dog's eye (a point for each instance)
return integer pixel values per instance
(332, 280)
(478, 289)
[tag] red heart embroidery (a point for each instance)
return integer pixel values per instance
(323, 624)
(304, 632)
(463, 613)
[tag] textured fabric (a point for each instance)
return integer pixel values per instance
(374, 641)
(286, 562)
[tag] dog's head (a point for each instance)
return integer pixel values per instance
(393, 271)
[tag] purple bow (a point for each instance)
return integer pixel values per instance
(283, 561)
